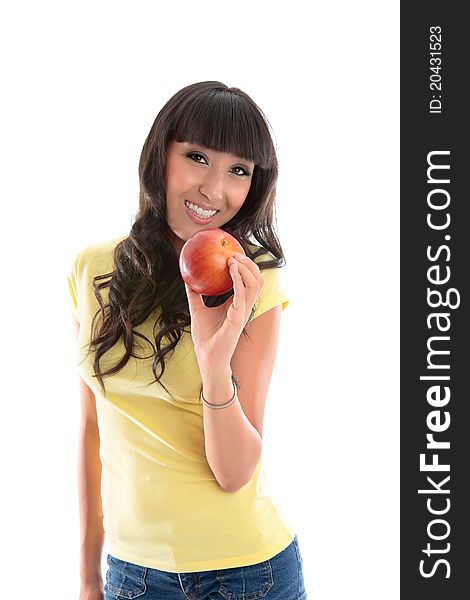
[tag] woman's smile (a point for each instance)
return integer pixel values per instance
(200, 212)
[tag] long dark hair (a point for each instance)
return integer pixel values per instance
(146, 275)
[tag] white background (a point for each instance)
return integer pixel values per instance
(82, 83)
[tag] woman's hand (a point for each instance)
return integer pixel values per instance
(216, 330)
(91, 591)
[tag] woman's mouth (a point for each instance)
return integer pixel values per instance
(197, 214)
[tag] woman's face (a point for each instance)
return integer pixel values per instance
(198, 178)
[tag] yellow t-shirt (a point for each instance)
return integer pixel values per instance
(162, 505)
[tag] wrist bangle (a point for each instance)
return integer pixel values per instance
(216, 406)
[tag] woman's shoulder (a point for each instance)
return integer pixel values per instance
(103, 247)
(272, 292)
(259, 254)
(96, 256)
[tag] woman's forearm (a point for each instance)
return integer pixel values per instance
(233, 446)
(90, 506)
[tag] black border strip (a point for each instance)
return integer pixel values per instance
(434, 261)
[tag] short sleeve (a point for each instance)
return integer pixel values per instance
(72, 280)
(271, 293)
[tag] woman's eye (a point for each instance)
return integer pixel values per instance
(192, 155)
(195, 156)
(243, 171)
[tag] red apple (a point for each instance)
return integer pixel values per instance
(203, 261)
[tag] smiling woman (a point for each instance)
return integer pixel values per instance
(171, 470)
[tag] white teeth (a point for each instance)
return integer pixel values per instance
(199, 211)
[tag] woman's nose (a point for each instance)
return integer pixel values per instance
(212, 186)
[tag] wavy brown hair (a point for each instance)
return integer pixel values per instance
(147, 275)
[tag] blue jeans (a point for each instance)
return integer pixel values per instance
(279, 578)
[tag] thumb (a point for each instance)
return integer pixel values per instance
(194, 299)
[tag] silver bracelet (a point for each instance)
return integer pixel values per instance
(217, 406)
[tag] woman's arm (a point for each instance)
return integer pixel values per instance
(233, 435)
(89, 483)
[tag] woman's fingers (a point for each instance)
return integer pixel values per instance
(251, 278)
(248, 264)
(247, 283)
(238, 287)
